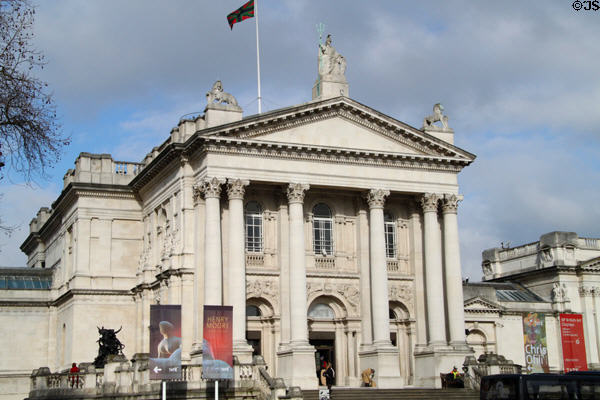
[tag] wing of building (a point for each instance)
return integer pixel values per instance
(328, 226)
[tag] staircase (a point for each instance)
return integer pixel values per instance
(393, 394)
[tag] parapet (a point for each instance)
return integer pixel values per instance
(101, 169)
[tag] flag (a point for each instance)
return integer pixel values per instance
(244, 12)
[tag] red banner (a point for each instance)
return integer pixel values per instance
(573, 342)
(217, 346)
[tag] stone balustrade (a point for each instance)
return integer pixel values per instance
(101, 168)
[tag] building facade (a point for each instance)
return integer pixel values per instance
(330, 228)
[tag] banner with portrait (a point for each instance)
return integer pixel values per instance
(573, 342)
(535, 345)
(217, 346)
(165, 342)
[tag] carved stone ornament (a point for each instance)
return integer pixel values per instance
(236, 188)
(401, 293)
(438, 116)
(450, 203)
(487, 269)
(429, 202)
(211, 187)
(349, 292)
(217, 95)
(296, 191)
(586, 291)
(331, 63)
(376, 197)
(197, 194)
(266, 289)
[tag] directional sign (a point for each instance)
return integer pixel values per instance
(165, 342)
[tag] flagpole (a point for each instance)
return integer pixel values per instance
(257, 56)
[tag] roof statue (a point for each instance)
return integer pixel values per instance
(217, 95)
(331, 62)
(438, 116)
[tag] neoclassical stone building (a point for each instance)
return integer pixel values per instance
(330, 228)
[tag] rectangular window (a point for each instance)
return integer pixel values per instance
(322, 237)
(390, 240)
(254, 233)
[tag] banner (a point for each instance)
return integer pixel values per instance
(217, 352)
(536, 349)
(165, 342)
(573, 342)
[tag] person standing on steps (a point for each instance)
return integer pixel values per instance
(329, 375)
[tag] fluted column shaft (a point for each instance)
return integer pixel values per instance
(298, 312)
(213, 266)
(379, 278)
(237, 258)
(454, 291)
(436, 320)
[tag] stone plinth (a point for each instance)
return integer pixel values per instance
(328, 87)
(297, 366)
(384, 360)
(430, 362)
(219, 114)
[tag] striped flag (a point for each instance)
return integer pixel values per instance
(244, 12)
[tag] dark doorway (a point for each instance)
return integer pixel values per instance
(253, 338)
(325, 352)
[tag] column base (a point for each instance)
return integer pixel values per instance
(433, 360)
(384, 359)
(296, 365)
(243, 351)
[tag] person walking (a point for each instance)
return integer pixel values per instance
(329, 375)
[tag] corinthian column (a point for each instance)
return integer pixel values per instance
(237, 267)
(436, 321)
(454, 292)
(298, 312)
(379, 278)
(213, 268)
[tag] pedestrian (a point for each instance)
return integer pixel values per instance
(367, 377)
(74, 375)
(329, 375)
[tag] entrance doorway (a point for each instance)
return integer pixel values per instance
(325, 352)
(253, 339)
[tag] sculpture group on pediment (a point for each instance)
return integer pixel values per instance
(437, 116)
(219, 96)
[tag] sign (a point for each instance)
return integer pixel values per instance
(536, 349)
(165, 342)
(573, 342)
(324, 394)
(217, 351)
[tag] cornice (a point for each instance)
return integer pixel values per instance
(70, 294)
(303, 152)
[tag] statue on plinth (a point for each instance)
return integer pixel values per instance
(438, 116)
(108, 344)
(219, 96)
(331, 63)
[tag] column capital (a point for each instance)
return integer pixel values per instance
(450, 203)
(236, 188)
(211, 187)
(376, 197)
(429, 202)
(197, 194)
(296, 191)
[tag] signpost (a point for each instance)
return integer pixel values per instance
(573, 342)
(165, 344)
(217, 346)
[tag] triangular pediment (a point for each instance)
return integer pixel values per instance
(339, 123)
(479, 304)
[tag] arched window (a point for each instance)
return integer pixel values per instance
(252, 311)
(322, 230)
(390, 235)
(393, 314)
(321, 311)
(254, 234)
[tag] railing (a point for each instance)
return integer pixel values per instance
(325, 262)
(127, 168)
(65, 381)
(591, 243)
(255, 259)
(392, 266)
(525, 250)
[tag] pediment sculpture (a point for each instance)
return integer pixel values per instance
(437, 116)
(331, 63)
(219, 96)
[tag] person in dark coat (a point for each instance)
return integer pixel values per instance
(329, 375)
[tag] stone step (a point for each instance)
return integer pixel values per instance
(389, 394)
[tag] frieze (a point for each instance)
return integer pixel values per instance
(265, 288)
(401, 293)
(349, 292)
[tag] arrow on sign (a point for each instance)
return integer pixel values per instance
(157, 370)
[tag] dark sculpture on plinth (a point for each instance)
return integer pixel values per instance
(108, 344)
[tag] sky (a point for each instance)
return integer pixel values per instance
(518, 80)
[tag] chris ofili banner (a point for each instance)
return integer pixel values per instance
(535, 347)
